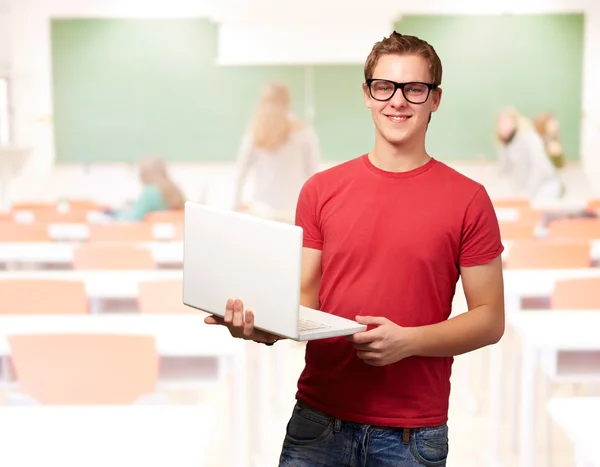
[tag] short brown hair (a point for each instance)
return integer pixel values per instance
(399, 44)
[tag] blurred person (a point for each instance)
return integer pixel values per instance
(522, 156)
(547, 126)
(282, 153)
(386, 237)
(159, 192)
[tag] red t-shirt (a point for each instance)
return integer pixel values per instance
(392, 244)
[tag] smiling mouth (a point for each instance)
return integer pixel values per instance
(398, 118)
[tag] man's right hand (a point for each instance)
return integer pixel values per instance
(240, 323)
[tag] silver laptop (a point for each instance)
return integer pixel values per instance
(233, 255)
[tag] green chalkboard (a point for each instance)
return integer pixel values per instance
(530, 62)
(123, 88)
(127, 88)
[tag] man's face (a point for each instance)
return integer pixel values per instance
(397, 120)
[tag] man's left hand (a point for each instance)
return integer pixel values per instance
(384, 344)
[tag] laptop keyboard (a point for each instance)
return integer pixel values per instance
(308, 325)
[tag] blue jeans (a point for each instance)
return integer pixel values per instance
(314, 439)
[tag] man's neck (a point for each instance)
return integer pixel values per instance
(398, 158)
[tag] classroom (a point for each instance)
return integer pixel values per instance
(114, 114)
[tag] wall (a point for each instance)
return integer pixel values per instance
(31, 71)
(30, 47)
(590, 131)
(4, 38)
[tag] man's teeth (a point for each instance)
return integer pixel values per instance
(398, 119)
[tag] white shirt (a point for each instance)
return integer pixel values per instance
(278, 176)
(532, 171)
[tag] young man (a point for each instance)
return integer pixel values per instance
(386, 237)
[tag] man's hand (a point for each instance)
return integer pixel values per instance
(386, 343)
(240, 323)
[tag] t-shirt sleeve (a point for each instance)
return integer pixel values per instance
(480, 236)
(307, 215)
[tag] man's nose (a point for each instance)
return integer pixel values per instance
(398, 99)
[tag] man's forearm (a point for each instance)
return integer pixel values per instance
(464, 333)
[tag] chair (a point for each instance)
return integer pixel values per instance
(117, 257)
(593, 205)
(54, 216)
(174, 217)
(121, 232)
(530, 215)
(545, 254)
(572, 366)
(15, 232)
(32, 206)
(576, 294)
(42, 297)
(583, 228)
(85, 369)
(517, 230)
(162, 297)
(549, 254)
(84, 205)
(511, 203)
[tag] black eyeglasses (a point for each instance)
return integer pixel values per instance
(414, 92)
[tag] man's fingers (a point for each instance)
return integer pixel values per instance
(370, 346)
(249, 323)
(213, 320)
(373, 362)
(372, 320)
(370, 358)
(365, 337)
(229, 311)
(238, 313)
(365, 355)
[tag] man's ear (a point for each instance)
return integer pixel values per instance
(437, 97)
(366, 95)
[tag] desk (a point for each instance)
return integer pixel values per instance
(101, 284)
(176, 335)
(180, 335)
(80, 232)
(166, 253)
(543, 330)
(578, 418)
(539, 282)
(116, 436)
(520, 283)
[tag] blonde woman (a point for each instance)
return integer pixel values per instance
(522, 155)
(159, 192)
(281, 152)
